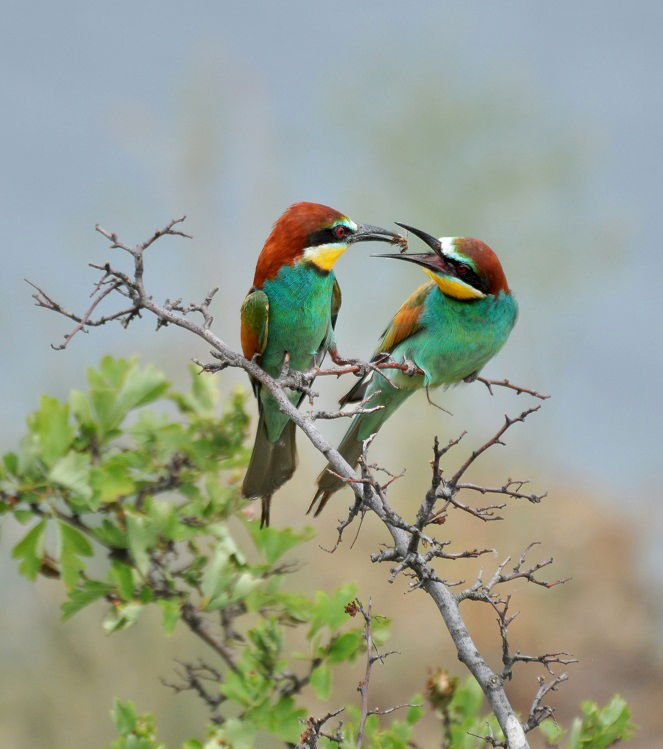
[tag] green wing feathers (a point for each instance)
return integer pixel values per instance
(335, 302)
(255, 319)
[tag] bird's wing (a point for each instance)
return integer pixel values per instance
(329, 342)
(406, 322)
(255, 313)
(335, 303)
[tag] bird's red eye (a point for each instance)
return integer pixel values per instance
(462, 269)
(340, 231)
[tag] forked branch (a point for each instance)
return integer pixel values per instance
(369, 494)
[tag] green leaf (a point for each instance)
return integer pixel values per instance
(123, 575)
(30, 549)
(416, 712)
(73, 472)
(246, 583)
(274, 543)
(171, 614)
(284, 720)
(141, 540)
(51, 426)
(24, 516)
(74, 541)
(236, 688)
(219, 574)
(346, 647)
(146, 595)
(321, 682)
(467, 699)
(552, 731)
(203, 396)
(80, 408)
(122, 617)
(112, 479)
(330, 611)
(110, 535)
(119, 386)
(240, 733)
(124, 717)
(10, 463)
(29, 456)
(87, 593)
(73, 544)
(601, 728)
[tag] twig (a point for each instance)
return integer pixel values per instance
(42, 299)
(505, 489)
(194, 678)
(495, 440)
(426, 507)
(362, 687)
(198, 624)
(506, 384)
(361, 408)
(537, 712)
(314, 731)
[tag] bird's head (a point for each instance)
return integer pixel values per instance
(463, 268)
(315, 234)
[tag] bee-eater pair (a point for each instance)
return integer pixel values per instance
(448, 329)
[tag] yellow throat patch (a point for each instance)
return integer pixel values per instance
(454, 287)
(325, 255)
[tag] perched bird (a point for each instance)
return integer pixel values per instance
(448, 328)
(292, 308)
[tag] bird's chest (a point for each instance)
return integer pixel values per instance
(461, 337)
(299, 314)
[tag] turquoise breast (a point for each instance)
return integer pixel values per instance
(299, 316)
(299, 322)
(461, 336)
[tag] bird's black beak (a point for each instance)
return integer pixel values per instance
(432, 260)
(428, 260)
(431, 241)
(366, 233)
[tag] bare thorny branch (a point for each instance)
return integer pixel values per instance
(196, 678)
(369, 493)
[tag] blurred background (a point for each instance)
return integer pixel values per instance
(533, 126)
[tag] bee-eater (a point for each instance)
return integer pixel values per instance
(448, 328)
(292, 308)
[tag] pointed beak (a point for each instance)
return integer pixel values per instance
(431, 241)
(366, 233)
(425, 259)
(434, 261)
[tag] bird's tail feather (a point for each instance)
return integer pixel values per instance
(350, 448)
(271, 465)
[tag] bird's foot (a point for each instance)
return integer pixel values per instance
(300, 381)
(410, 369)
(341, 361)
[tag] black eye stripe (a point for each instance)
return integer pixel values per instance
(470, 277)
(327, 236)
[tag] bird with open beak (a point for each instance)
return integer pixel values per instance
(449, 328)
